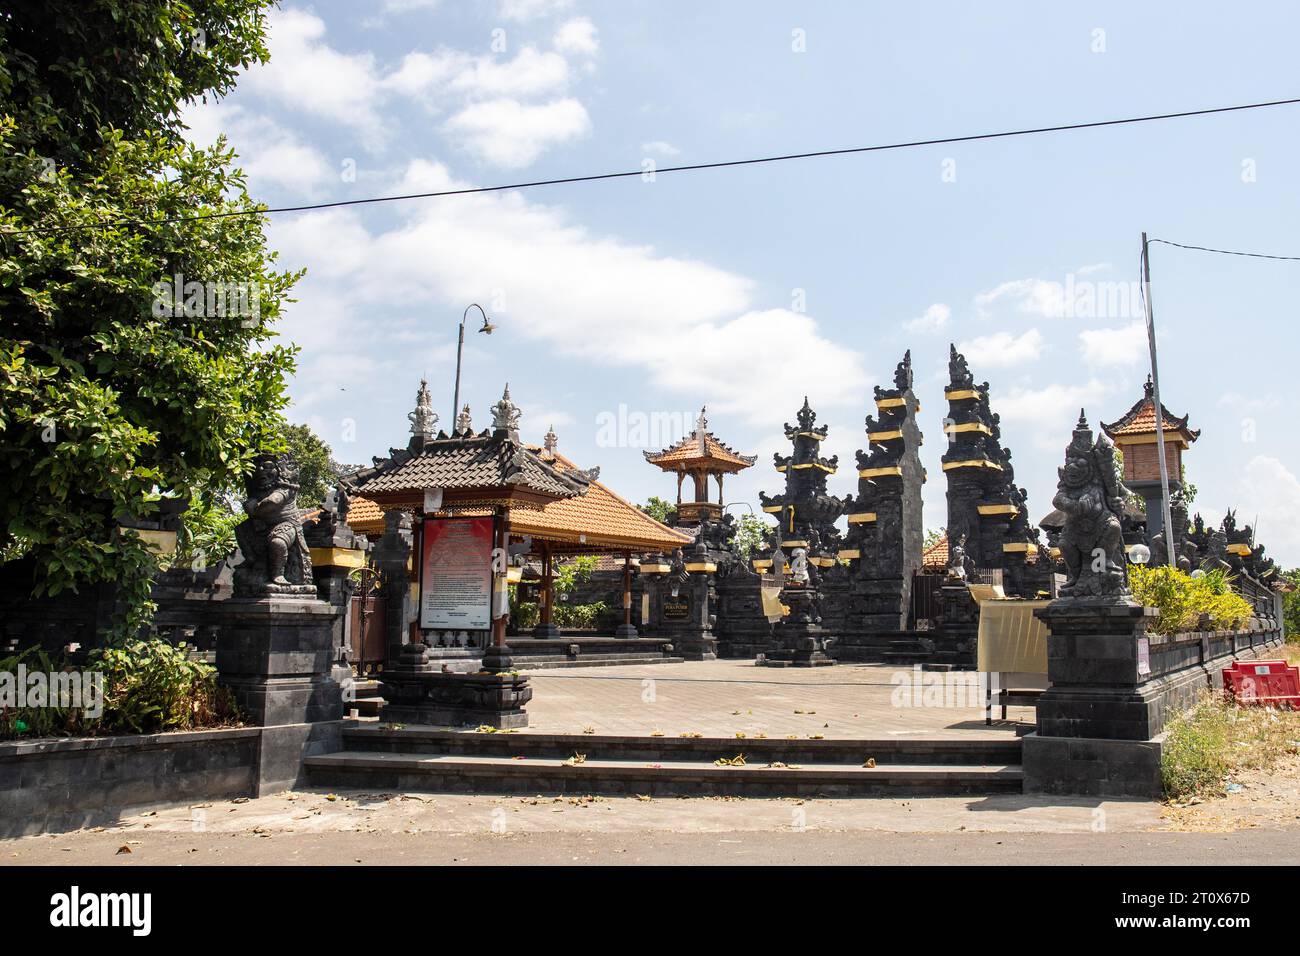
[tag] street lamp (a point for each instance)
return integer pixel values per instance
(487, 329)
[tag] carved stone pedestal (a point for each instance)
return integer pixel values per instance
(432, 697)
(1097, 720)
(1095, 664)
(803, 641)
(275, 654)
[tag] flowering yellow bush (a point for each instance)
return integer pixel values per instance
(1183, 599)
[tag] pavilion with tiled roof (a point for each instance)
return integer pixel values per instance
(545, 498)
(1135, 435)
(702, 456)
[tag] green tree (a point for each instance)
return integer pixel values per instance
(118, 386)
(1291, 605)
(932, 535)
(657, 508)
(750, 531)
(316, 470)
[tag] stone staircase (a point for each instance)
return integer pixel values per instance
(432, 760)
(367, 699)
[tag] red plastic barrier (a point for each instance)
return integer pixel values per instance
(1265, 683)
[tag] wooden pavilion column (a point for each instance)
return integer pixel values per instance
(545, 626)
(496, 656)
(627, 628)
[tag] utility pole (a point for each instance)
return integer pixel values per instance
(1159, 409)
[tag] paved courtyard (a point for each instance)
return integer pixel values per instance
(725, 698)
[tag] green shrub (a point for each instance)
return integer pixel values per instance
(39, 721)
(150, 685)
(527, 615)
(1182, 599)
(579, 615)
(153, 685)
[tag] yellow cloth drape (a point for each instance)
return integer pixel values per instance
(1011, 639)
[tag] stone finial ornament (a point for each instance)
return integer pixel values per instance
(806, 416)
(550, 441)
(276, 559)
(903, 372)
(424, 420)
(505, 416)
(464, 423)
(1090, 495)
(702, 430)
(958, 371)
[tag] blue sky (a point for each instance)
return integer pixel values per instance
(745, 289)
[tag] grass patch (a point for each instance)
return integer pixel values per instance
(1208, 743)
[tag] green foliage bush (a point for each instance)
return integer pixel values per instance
(150, 685)
(153, 685)
(1182, 599)
(580, 615)
(527, 615)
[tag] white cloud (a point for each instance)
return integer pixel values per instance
(511, 134)
(595, 298)
(486, 95)
(308, 75)
(1034, 296)
(523, 10)
(1094, 267)
(932, 320)
(1053, 407)
(272, 156)
(1248, 403)
(1002, 349)
(1271, 490)
(1074, 297)
(578, 37)
(660, 148)
(1126, 345)
(455, 73)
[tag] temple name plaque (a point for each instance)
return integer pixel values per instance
(456, 574)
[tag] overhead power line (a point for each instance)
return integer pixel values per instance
(1225, 252)
(690, 167)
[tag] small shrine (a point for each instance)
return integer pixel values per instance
(701, 457)
(1134, 434)
(805, 512)
(807, 537)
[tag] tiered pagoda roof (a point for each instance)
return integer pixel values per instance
(595, 521)
(492, 467)
(1139, 423)
(700, 450)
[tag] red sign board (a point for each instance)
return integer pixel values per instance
(456, 574)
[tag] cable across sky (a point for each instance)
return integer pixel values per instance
(684, 168)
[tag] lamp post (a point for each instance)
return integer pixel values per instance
(487, 329)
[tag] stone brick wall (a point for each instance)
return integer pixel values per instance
(50, 785)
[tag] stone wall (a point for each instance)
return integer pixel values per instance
(50, 785)
(1119, 763)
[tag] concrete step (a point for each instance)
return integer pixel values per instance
(417, 740)
(548, 662)
(441, 773)
(366, 706)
